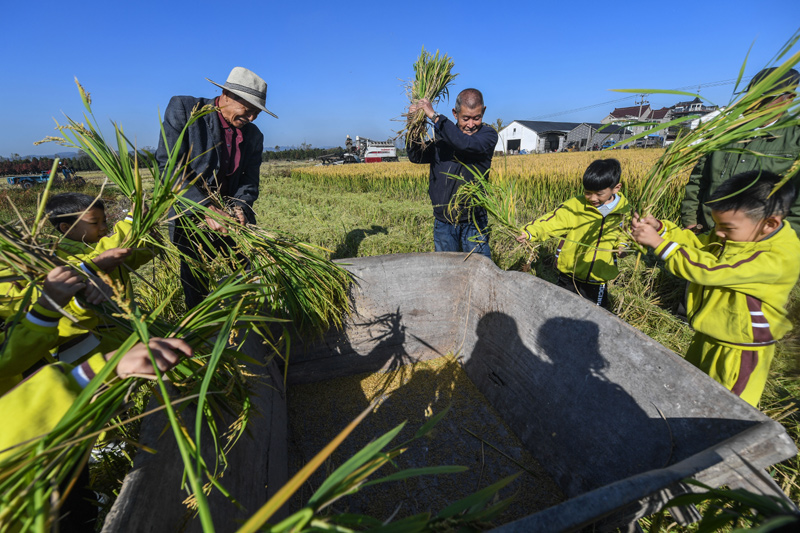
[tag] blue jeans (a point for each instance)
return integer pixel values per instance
(456, 237)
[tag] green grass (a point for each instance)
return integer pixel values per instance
(348, 224)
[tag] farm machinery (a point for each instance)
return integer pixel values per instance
(363, 151)
(27, 182)
(375, 151)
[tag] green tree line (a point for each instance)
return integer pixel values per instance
(298, 154)
(15, 165)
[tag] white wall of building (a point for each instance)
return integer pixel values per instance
(529, 140)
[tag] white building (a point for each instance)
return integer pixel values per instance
(533, 136)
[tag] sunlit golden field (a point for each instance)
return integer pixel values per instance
(539, 180)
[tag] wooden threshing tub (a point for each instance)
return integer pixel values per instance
(616, 419)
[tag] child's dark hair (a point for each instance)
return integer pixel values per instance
(750, 192)
(69, 206)
(602, 174)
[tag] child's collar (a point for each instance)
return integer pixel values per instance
(774, 232)
(611, 205)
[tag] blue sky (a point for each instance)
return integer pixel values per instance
(335, 68)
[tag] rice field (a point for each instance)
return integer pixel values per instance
(539, 181)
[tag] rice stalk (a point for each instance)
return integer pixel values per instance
(294, 280)
(285, 278)
(122, 167)
(749, 115)
(432, 80)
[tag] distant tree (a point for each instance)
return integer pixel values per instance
(277, 147)
(498, 124)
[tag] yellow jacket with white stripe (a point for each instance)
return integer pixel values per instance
(26, 343)
(738, 290)
(588, 250)
(12, 292)
(76, 337)
(36, 405)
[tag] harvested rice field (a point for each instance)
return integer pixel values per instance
(472, 434)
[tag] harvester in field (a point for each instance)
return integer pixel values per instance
(375, 151)
(362, 151)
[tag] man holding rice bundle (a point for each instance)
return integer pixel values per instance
(224, 152)
(458, 147)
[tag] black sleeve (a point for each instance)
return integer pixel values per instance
(417, 154)
(482, 141)
(175, 118)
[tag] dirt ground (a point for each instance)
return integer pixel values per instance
(466, 436)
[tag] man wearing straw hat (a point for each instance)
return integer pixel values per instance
(776, 153)
(224, 150)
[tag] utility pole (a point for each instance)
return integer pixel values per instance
(642, 101)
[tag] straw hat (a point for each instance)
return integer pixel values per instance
(247, 85)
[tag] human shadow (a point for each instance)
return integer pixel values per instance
(572, 404)
(352, 241)
(401, 391)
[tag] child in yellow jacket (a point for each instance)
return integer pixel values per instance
(740, 277)
(37, 404)
(82, 220)
(591, 225)
(25, 343)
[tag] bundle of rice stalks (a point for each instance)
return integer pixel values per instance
(756, 112)
(292, 280)
(432, 79)
(500, 202)
(122, 167)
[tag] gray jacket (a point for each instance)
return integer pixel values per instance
(202, 143)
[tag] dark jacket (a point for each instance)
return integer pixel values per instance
(713, 169)
(204, 138)
(451, 153)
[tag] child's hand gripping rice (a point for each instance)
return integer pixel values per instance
(591, 225)
(740, 277)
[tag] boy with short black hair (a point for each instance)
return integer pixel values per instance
(591, 225)
(740, 277)
(65, 209)
(82, 220)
